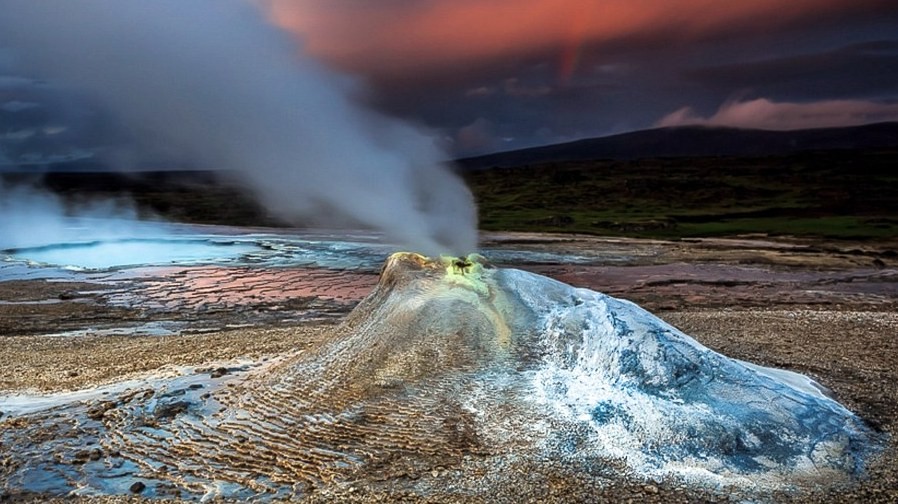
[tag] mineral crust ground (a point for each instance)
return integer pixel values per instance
(825, 309)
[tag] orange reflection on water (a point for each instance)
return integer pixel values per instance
(215, 286)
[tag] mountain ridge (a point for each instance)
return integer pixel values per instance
(694, 141)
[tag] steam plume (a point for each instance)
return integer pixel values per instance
(31, 217)
(216, 84)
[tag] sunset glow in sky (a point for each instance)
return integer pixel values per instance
(491, 75)
(500, 74)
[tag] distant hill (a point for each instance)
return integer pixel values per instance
(696, 141)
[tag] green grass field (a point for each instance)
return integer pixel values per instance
(836, 194)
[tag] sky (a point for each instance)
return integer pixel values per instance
(493, 75)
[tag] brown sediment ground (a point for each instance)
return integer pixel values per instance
(58, 363)
(831, 315)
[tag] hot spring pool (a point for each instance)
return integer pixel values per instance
(107, 254)
(109, 244)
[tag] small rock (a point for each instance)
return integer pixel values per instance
(137, 487)
(879, 263)
(97, 411)
(219, 372)
(72, 374)
(95, 454)
(650, 489)
(170, 410)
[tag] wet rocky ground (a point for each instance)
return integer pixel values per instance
(661, 276)
(827, 309)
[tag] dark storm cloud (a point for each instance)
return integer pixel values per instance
(867, 69)
(401, 40)
(554, 71)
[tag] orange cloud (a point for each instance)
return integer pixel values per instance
(765, 114)
(390, 38)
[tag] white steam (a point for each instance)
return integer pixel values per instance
(215, 84)
(31, 217)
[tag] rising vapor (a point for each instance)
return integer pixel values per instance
(217, 85)
(32, 217)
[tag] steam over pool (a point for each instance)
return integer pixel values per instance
(212, 84)
(110, 244)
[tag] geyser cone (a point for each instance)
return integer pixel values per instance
(452, 363)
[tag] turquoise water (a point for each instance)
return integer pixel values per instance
(107, 254)
(99, 245)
